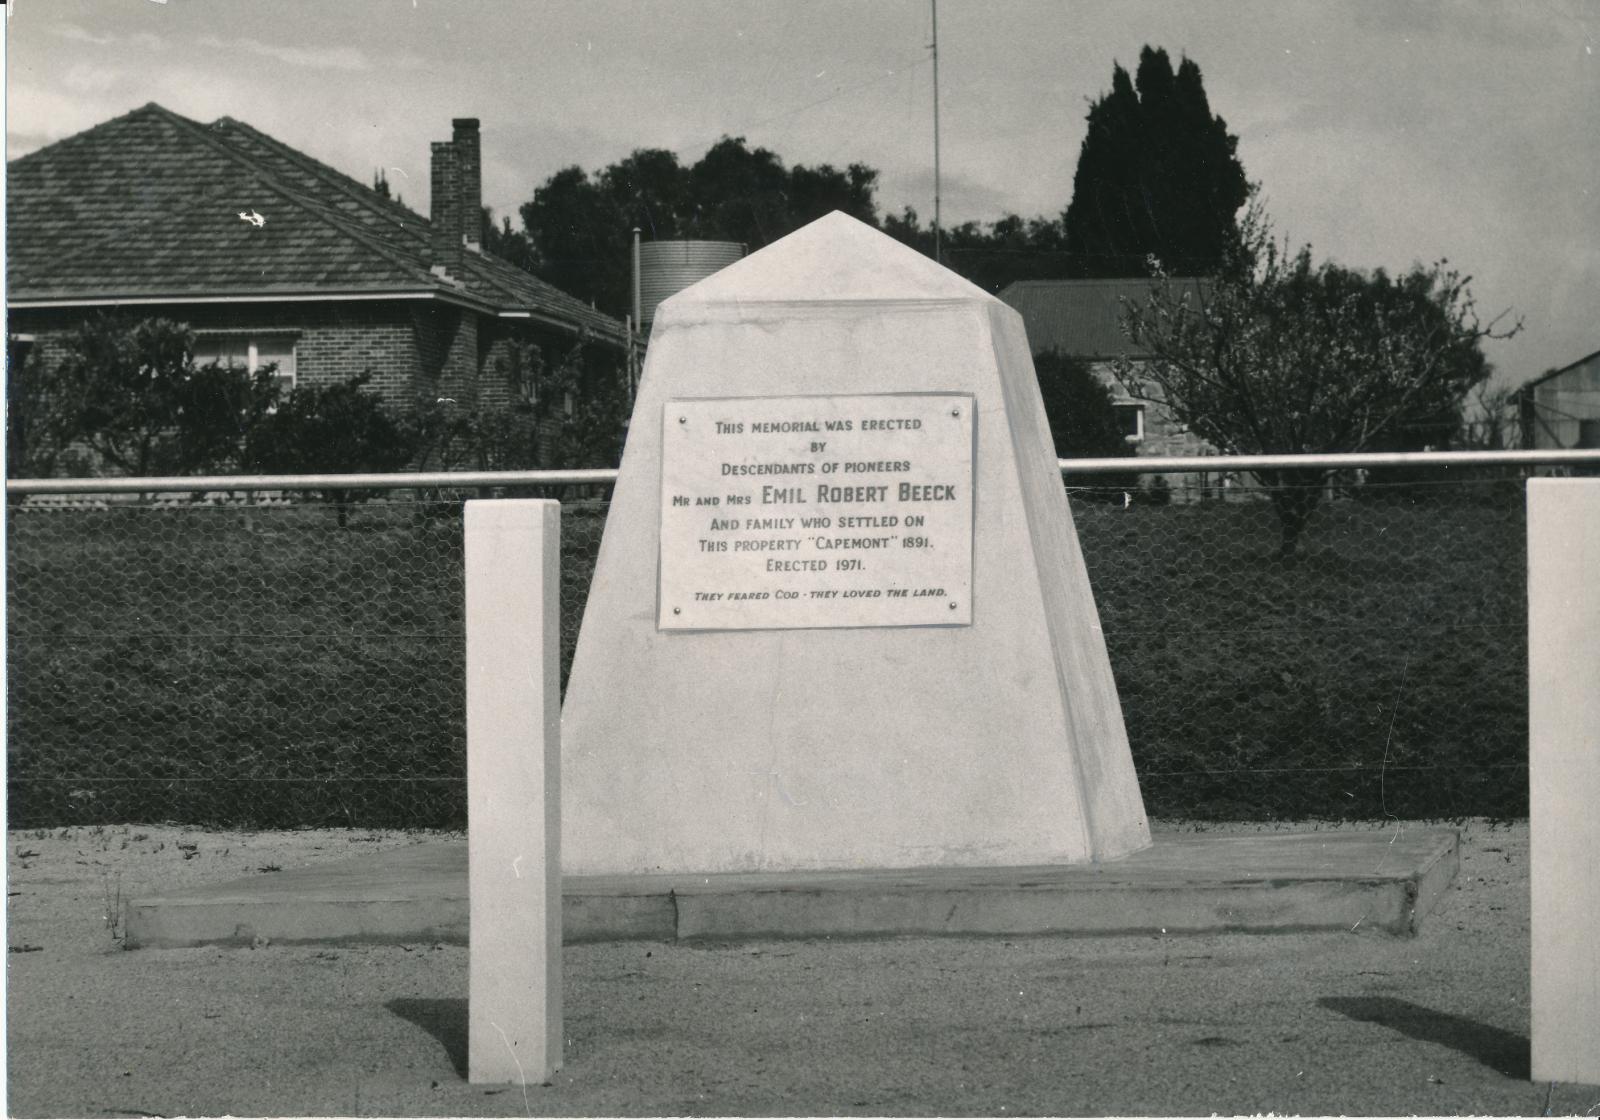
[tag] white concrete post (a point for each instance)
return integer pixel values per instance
(513, 609)
(1564, 774)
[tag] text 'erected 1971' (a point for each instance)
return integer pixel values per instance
(804, 512)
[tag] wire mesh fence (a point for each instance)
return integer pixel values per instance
(300, 662)
(1379, 671)
(260, 665)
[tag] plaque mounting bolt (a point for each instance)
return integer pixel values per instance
(952, 604)
(955, 412)
(683, 419)
(677, 610)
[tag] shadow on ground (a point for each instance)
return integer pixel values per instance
(445, 1019)
(1503, 1051)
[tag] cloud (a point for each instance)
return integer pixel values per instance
(963, 198)
(144, 40)
(311, 58)
(73, 33)
(81, 77)
(37, 115)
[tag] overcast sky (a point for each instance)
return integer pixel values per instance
(1383, 133)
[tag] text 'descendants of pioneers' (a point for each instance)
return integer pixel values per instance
(806, 512)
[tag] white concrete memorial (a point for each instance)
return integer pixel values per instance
(1564, 775)
(840, 618)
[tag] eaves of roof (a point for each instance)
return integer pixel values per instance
(264, 294)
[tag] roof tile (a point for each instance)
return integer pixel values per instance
(150, 204)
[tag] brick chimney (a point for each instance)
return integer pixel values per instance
(469, 168)
(444, 210)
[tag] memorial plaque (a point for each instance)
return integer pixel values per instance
(816, 512)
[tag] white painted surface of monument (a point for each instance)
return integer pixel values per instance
(796, 512)
(1564, 775)
(847, 742)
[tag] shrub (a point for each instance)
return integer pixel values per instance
(330, 429)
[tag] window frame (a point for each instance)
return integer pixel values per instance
(253, 339)
(1138, 408)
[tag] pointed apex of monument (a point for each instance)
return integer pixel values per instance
(836, 258)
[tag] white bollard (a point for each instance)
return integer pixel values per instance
(1564, 775)
(513, 614)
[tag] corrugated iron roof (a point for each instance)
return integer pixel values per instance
(154, 205)
(1550, 375)
(1079, 318)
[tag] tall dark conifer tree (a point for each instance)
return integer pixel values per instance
(1157, 176)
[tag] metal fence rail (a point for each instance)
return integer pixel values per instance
(458, 480)
(225, 660)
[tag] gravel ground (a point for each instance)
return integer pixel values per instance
(1312, 1024)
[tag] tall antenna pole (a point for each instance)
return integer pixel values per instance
(936, 215)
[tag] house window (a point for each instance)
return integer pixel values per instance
(1130, 420)
(18, 346)
(249, 351)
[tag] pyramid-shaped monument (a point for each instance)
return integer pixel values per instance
(840, 618)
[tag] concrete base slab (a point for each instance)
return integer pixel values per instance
(1186, 883)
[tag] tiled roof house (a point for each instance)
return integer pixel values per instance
(270, 255)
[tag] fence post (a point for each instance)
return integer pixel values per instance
(1564, 774)
(512, 561)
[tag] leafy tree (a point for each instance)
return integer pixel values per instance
(580, 225)
(991, 255)
(565, 414)
(330, 429)
(1157, 176)
(738, 194)
(42, 422)
(510, 245)
(580, 228)
(582, 407)
(1083, 419)
(488, 436)
(144, 408)
(594, 434)
(1280, 355)
(1496, 423)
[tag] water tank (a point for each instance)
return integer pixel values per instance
(668, 267)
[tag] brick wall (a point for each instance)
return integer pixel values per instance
(497, 341)
(458, 373)
(1165, 436)
(412, 348)
(333, 341)
(47, 345)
